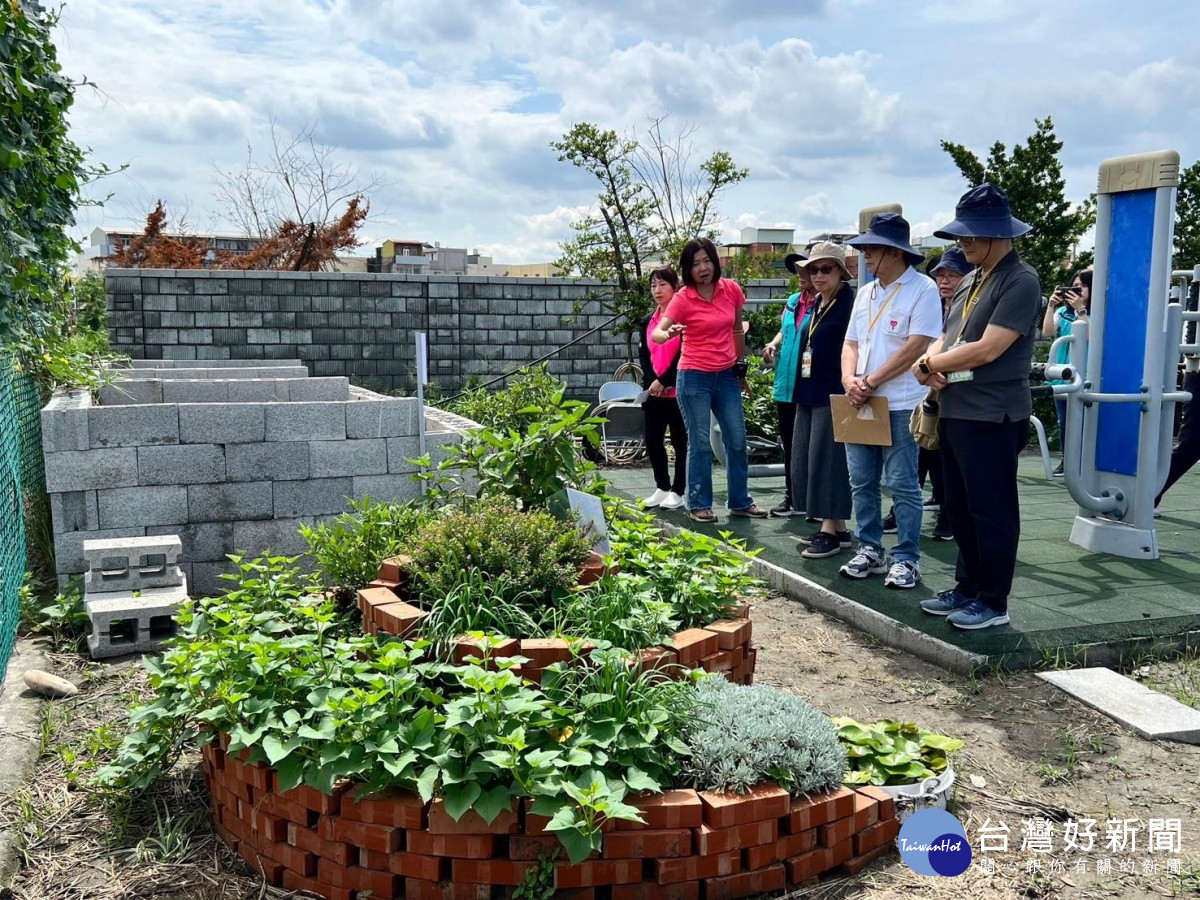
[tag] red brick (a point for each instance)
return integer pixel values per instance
(792, 845)
(295, 859)
(529, 673)
(877, 835)
(387, 585)
(309, 840)
(276, 805)
(330, 872)
(763, 801)
(271, 871)
(543, 652)
(669, 809)
(489, 871)
(887, 804)
(693, 644)
(419, 889)
(746, 884)
(234, 825)
(296, 882)
(369, 598)
(310, 798)
(395, 807)
(465, 646)
(381, 885)
(651, 890)
(392, 569)
(856, 864)
(866, 811)
(597, 872)
(535, 825)
(841, 852)
(833, 833)
(226, 835)
(731, 632)
(817, 809)
(749, 834)
(653, 658)
(440, 821)
(272, 828)
(373, 859)
(809, 865)
(414, 865)
(533, 846)
(693, 868)
(397, 618)
(741, 609)
(254, 775)
(237, 788)
(648, 844)
(459, 846)
(721, 661)
(384, 838)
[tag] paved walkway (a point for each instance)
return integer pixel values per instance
(1066, 604)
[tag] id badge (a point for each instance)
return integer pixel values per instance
(957, 377)
(806, 364)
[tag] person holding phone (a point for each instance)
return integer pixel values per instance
(1068, 304)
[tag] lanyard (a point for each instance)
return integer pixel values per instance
(874, 320)
(969, 306)
(817, 316)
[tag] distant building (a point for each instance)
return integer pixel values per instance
(103, 243)
(351, 263)
(477, 264)
(757, 242)
(407, 257)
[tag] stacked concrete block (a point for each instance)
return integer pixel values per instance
(235, 475)
(133, 588)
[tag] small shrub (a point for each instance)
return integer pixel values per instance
(888, 752)
(513, 408)
(741, 736)
(481, 603)
(762, 416)
(621, 610)
(538, 553)
(349, 549)
(64, 619)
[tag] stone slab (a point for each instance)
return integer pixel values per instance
(202, 541)
(333, 459)
(1151, 714)
(315, 497)
(132, 426)
(276, 461)
(149, 616)
(134, 506)
(219, 423)
(381, 418)
(229, 502)
(317, 421)
(181, 464)
(90, 470)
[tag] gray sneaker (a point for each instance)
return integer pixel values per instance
(904, 574)
(946, 602)
(976, 616)
(867, 561)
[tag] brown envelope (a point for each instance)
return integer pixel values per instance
(857, 426)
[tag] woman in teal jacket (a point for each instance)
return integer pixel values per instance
(785, 347)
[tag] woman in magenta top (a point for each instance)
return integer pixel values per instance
(712, 374)
(660, 368)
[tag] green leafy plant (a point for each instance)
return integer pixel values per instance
(762, 416)
(621, 610)
(538, 881)
(743, 735)
(64, 619)
(349, 549)
(514, 408)
(483, 603)
(887, 752)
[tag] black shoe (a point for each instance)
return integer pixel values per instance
(845, 538)
(822, 545)
(1058, 473)
(889, 523)
(931, 505)
(811, 519)
(941, 530)
(784, 510)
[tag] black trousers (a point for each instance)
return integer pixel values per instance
(787, 422)
(929, 462)
(663, 413)
(979, 465)
(1187, 451)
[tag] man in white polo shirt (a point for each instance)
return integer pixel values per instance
(896, 316)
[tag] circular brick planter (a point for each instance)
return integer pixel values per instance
(692, 844)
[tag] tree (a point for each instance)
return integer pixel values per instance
(1187, 218)
(651, 202)
(41, 169)
(1032, 177)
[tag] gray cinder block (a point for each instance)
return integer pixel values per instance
(202, 541)
(306, 421)
(312, 389)
(315, 497)
(332, 459)
(123, 623)
(259, 390)
(280, 536)
(181, 464)
(132, 426)
(199, 391)
(131, 392)
(133, 506)
(131, 564)
(68, 546)
(386, 488)
(381, 418)
(204, 423)
(229, 502)
(276, 461)
(90, 470)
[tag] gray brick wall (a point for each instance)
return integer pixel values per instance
(361, 327)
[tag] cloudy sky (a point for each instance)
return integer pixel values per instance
(453, 103)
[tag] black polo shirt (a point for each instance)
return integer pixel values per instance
(826, 341)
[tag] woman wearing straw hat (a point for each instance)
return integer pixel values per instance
(820, 480)
(981, 366)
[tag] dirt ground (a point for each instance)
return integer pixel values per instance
(1030, 752)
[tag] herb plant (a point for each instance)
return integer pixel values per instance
(887, 752)
(481, 603)
(621, 610)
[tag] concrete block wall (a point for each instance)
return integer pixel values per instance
(227, 476)
(361, 326)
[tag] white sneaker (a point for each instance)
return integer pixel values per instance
(1157, 513)
(903, 575)
(672, 501)
(656, 498)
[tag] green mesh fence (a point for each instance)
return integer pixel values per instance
(23, 511)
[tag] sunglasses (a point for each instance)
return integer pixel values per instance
(821, 270)
(970, 241)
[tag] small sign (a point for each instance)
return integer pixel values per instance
(422, 358)
(586, 511)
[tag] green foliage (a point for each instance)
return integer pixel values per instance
(1032, 177)
(482, 603)
(536, 553)
(762, 416)
(888, 752)
(349, 549)
(764, 322)
(538, 881)
(64, 619)
(514, 408)
(621, 610)
(697, 574)
(743, 735)
(531, 467)
(1187, 218)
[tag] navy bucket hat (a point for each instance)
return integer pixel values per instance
(789, 261)
(954, 260)
(889, 230)
(984, 212)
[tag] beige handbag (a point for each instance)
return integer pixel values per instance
(924, 422)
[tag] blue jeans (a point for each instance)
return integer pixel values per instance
(700, 393)
(898, 463)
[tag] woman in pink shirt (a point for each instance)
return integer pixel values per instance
(712, 375)
(660, 368)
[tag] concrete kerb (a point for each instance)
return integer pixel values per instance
(20, 731)
(887, 630)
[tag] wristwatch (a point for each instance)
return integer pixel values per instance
(923, 365)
